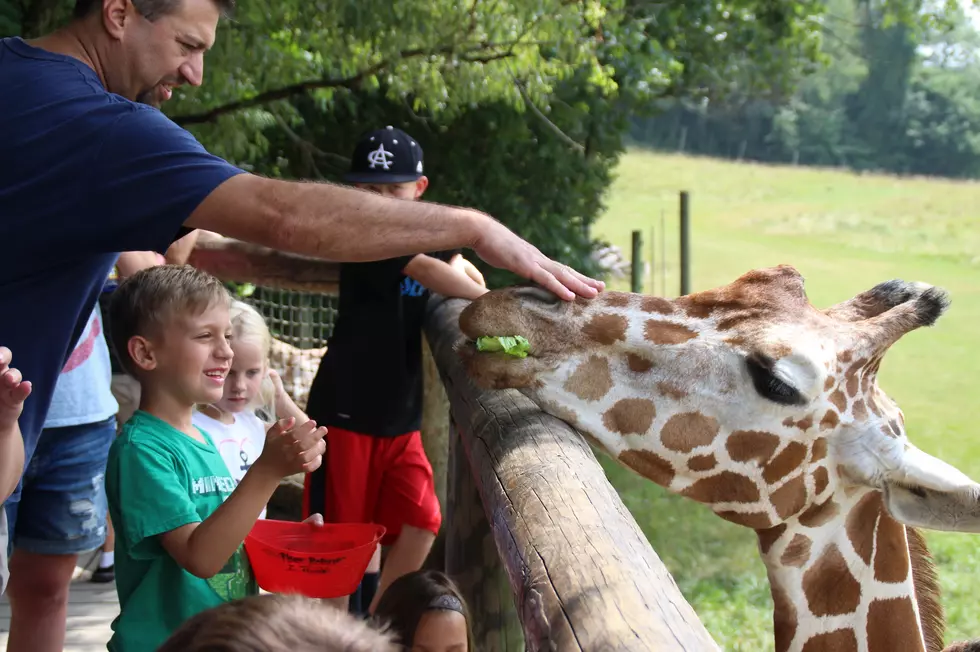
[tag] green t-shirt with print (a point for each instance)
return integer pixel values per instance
(158, 479)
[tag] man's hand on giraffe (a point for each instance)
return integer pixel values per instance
(500, 247)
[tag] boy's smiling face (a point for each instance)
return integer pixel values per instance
(189, 359)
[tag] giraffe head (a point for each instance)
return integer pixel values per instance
(745, 397)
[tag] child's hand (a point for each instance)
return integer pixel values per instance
(469, 269)
(280, 391)
(315, 519)
(13, 391)
(292, 449)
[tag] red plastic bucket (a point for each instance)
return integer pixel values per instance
(325, 561)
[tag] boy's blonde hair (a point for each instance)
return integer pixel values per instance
(277, 623)
(248, 325)
(147, 301)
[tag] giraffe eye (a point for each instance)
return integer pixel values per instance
(767, 385)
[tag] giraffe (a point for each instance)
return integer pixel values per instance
(749, 400)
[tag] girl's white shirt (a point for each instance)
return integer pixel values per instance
(240, 443)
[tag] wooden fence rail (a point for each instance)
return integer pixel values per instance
(581, 572)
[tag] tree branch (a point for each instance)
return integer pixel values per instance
(292, 90)
(548, 123)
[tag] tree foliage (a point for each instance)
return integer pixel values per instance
(899, 94)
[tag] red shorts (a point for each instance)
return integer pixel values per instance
(384, 480)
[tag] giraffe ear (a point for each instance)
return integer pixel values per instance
(879, 299)
(926, 492)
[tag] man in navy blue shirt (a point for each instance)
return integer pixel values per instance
(89, 168)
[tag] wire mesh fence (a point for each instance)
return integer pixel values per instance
(301, 319)
(300, 323)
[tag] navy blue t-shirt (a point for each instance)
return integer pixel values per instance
(84, 174)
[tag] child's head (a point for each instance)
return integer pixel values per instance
(276, 623)
(424, 609)
(170, 328)
(389, 162)
(248, 384)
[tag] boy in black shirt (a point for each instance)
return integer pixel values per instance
(368, 389)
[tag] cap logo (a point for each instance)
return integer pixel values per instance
(381, 157)
(418, 168)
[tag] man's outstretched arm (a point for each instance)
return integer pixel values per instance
(349, 225)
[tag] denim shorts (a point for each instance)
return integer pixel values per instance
(60, 506)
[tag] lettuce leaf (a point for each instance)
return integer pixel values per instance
(516, 346)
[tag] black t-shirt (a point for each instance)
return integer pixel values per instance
(370, 380)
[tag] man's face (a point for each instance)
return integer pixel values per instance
(166, 52)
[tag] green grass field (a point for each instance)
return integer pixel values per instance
(845, 233)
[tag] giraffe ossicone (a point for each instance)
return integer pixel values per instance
(752, 401)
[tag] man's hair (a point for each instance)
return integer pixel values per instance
(408, 598)
(149, 9)
(145, 302)
(277, 623)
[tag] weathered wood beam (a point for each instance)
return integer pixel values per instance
(582, 573)
(243, 262)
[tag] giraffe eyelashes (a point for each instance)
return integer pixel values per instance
(768, 386)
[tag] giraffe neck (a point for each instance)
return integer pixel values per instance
(842, 579)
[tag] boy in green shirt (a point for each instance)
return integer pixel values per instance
(180, 520)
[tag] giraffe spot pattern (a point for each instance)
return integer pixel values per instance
(769, 536)
(838, 400)
(663, 332)
(891, 550)
(861, 525)
(702, 462)
(606, 328)
(859, 410)
(803, 424)
(892, 625)
(745, 445)
(616, 299)
(820, 480)
(699, 309)
(630, 416)
(845, 356)
(670, 390)
(785, 463)
(591, 380)
(638, 363)
(839, 640)
(657, 305)
(852, 385)
(829, 421)
(686, 431)
(754, 520)
(829, 383)
(784, 619)
(818, 515)
(829, 586)
(790, 498)
(649, 465)
(819, 449)
(725, 487)
(797, 553)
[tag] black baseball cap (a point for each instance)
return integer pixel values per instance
(386, 155)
